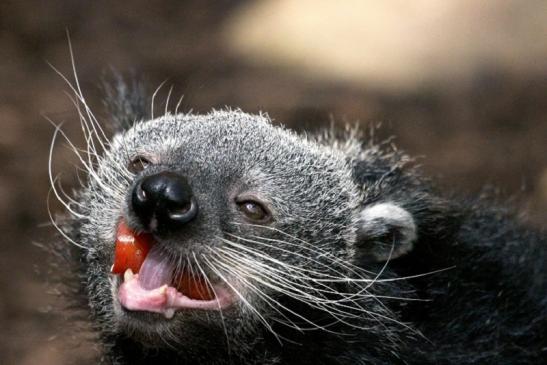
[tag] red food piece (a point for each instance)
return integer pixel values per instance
(131, 249)
(194, 287)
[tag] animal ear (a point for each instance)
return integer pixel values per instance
(386, 231)
(126, 101)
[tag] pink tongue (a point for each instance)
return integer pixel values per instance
(156, 270)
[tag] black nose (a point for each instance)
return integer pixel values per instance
(164, 201)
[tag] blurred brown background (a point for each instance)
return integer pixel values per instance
(461, 83)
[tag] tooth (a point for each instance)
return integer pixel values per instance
(127, 275)
(169, 313)
(163, 289)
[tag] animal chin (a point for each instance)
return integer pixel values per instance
(159, 287)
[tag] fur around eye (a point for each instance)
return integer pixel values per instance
(254, 211)
(138, 164)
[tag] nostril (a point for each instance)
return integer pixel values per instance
(140, 194)
(166, 197)
(184, 213)
(175, 213)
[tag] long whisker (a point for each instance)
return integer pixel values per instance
(241, 278)
(59, 229)
(269, 301)
(241, 297)
(266, 257)
(96, 126)
(52, 180)
(307, 285)
(336, 260)
(316, 252)
(210, 285)
(167, 100)
(302, 243)
(317, 302)
(154, 97)
(178, 104)
(336, 314)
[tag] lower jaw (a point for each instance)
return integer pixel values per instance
(186, 333)
(164, 301)
(153, 330)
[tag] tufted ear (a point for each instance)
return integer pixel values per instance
(386, 231)
(126, 101)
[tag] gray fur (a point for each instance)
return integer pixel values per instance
(308, 186)
(339, 207)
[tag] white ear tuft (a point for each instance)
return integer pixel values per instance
(386, 231)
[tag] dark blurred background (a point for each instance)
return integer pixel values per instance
(459, 82)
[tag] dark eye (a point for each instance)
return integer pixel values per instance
(254, 211)
(138, 164)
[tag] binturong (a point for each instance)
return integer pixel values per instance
(225, 239)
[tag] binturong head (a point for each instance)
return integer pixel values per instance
(224, 231)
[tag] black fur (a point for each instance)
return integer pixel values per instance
(491, 306)
(482, 300)
(126, 102)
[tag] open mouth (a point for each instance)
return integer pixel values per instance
(153, 283)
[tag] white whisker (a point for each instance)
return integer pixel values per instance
(167, 100)
(154, 98)
(241, 297)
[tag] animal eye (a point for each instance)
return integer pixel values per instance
(254, 211)
(138, 164)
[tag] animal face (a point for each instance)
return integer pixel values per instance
(208, 237)
(245, 222)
